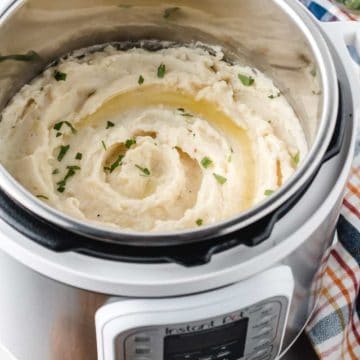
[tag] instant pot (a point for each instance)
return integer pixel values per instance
(239, 289)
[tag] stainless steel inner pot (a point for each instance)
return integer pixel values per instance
(276, 36)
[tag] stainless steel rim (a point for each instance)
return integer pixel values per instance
(328, 119)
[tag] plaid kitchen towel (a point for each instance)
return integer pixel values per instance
(334, 328)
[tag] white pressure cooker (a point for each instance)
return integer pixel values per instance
(236, 290)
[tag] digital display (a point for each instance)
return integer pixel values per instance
(229, 339)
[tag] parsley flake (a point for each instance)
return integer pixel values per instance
(109, 124)
(144, 170)
(296, 158)
(272, 96)
(161, 71)
(63, 150)
(42, 197)
(70, 173)
(246, 80)
(115, 164)
(59, 76)
(268, 192)
(220, 179)
(58, 134)
(103, 144)
(199, 222)
(58, 126)
(78, 156)
(55, 171)
(129, 143)
(141, 80)
(206, 162)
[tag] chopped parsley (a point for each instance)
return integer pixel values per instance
(115, 164)
(183, 113)
(109, 125)
(90, 94)
(63, 150)
(42, 197)
(199, 222)
(161, 71)
(59, 76)
(141, 80)
(103, 144)
(268, 192)
(55, 171)
(144, 170)
(272, 96)
(58, 126)
(70, 173)
(246, 80)
(296, 158)
(206, 162)
(78, 156)
(170, 11)
(129, 143)
(220, 179)
(58, 134)
(313, 71)
(30, 56)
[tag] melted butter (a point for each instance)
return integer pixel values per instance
(147, 96)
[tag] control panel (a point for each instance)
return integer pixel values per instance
(244, 321)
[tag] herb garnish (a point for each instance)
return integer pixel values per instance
(183, 113)
(42, 197)
(109, 124)
(115, 164)
(129, 143)
(59, 76)
(220, 179)
(144, 170)
(103, 144)
(313, 71)
(30, 56)
(206, 162)
(199, 222)
(63, 150)
(58, 134)
(141, 80)
(58, 126)
(296, 158)
(55, 171)
(246, 80)
(272, 96)
(78, 156)
(161, 71)
(170, 11)
(71, 172)
(268, 192)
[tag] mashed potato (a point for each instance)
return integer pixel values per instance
(151, 141)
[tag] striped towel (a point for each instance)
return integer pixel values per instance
(334, 329)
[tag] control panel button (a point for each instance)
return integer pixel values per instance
(141, 338)
(142, 350)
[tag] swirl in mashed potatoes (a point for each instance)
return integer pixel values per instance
(151, 141)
